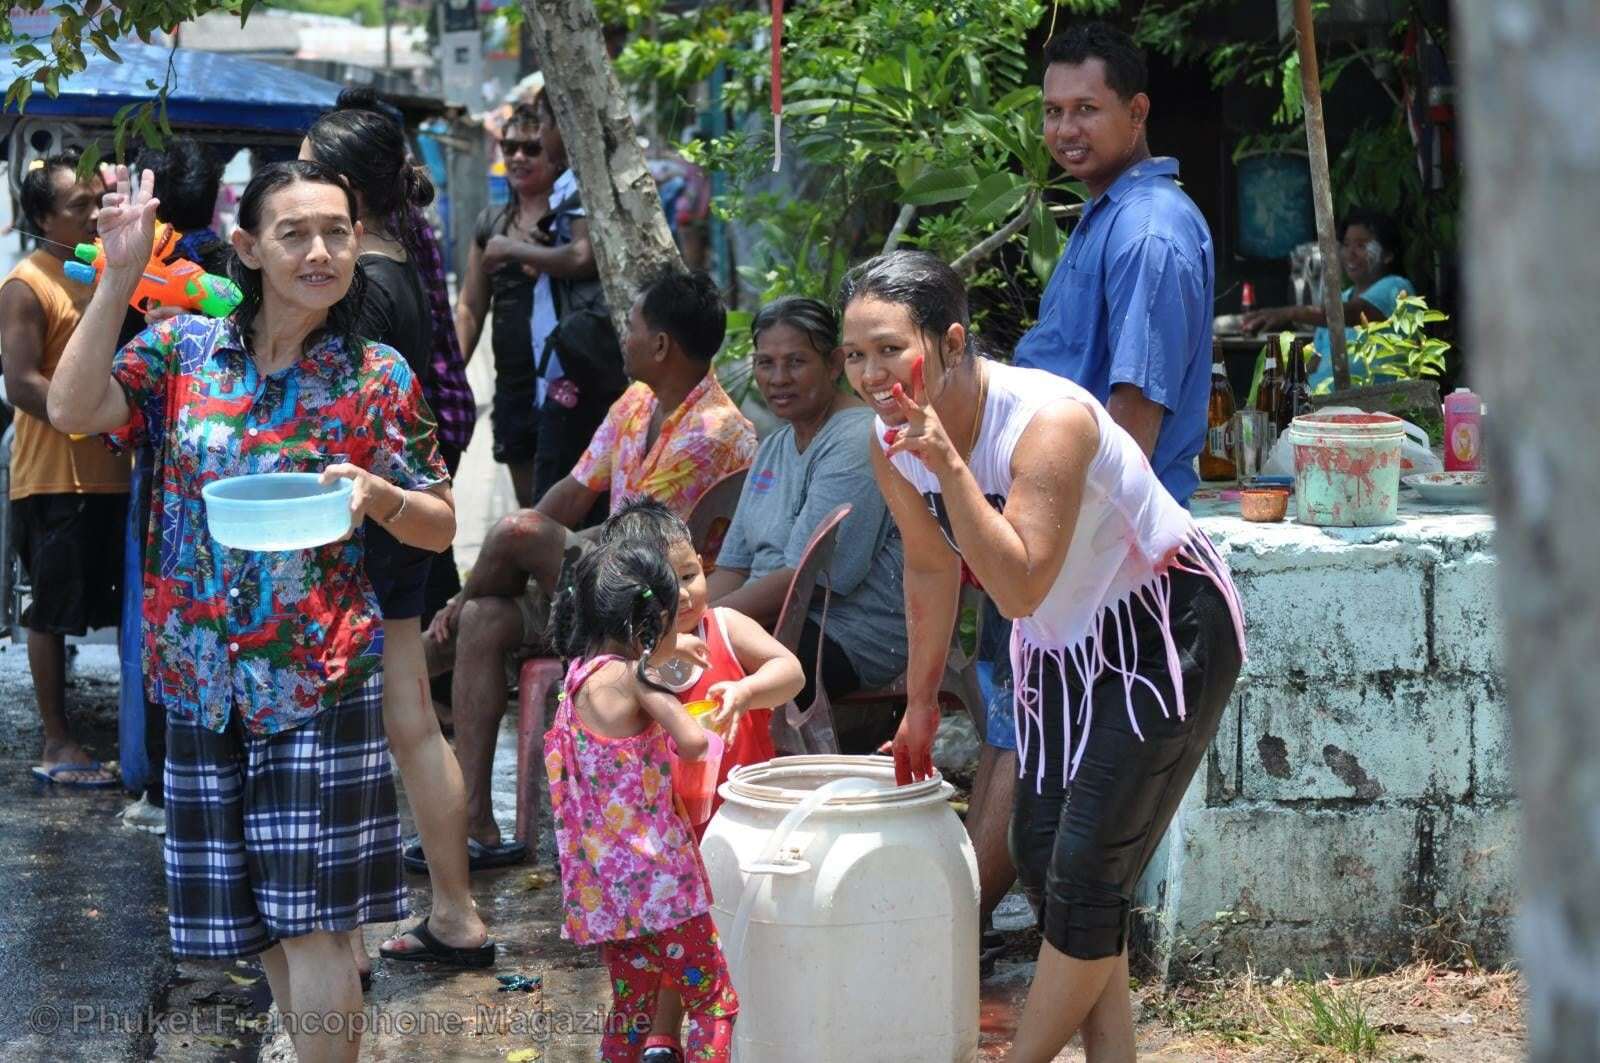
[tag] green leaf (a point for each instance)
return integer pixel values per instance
(26, 53)
(1044, 241)
(997, 197)
(941, 186)
(1016, 98)
(99, 41)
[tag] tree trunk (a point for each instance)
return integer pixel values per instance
(629, 233)
(1532, 74)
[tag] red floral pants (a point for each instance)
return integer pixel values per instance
(687, 957)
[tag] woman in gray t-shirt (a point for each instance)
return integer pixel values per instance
(802, 472)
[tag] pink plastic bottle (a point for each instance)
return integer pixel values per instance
(1463, 428)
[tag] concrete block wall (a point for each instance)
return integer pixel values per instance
(1359, 788)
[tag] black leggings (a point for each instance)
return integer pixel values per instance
(1080, 859)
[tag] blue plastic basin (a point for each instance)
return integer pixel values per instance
(277, 510)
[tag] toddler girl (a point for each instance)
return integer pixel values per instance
(631, 876)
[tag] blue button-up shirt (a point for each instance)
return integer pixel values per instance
(1130, 302)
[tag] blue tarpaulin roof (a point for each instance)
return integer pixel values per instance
(209, 89)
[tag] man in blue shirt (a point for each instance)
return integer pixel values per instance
(1127, 315)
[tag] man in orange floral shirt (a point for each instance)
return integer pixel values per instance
(671, 435)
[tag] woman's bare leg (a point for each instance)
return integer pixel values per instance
(1108, 1029)
(432, 778)
(324, 1018)
(1063, 992)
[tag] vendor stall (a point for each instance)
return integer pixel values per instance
(1359, 788)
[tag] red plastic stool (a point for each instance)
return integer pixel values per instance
(538, 675)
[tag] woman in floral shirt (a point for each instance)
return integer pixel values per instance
(282, 833)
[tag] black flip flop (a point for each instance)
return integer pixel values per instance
(480, 857)
(435, 951)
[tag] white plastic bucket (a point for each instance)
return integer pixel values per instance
(1347, 468)
(858, 934)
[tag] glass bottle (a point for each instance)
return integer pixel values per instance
(1216, 456)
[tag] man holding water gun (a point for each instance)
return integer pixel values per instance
(188, 178)
(68, 496)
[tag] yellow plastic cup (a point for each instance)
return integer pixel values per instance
(701, 711)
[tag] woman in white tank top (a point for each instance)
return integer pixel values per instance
(1127, 637)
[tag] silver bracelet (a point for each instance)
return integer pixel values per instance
(396, 515)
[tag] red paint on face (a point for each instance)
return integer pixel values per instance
(917, 382)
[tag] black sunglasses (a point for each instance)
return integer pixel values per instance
(530, 148)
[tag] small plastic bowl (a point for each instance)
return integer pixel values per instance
(277, 511)
(1263, 505)
(703, 707)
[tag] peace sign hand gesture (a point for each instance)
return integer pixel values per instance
(128, 220)
(923, 436)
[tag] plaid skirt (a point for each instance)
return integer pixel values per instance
(276, 836)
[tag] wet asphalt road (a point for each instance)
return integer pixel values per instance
(83, 944)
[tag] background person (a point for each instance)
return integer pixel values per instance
(188, 177)
(492, 282)
(804, 471)
(1369, 245)
(368, 150)
(671, 436)
(69, 496)
(282, 828)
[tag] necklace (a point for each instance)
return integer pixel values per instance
(983, 402)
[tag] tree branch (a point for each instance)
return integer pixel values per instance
(994, 241)
(901, 224)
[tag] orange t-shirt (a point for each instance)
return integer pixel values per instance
(43, 460)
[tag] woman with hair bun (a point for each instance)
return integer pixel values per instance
(369, 150)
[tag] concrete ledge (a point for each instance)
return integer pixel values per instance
(1319, 890)
(1378, 738)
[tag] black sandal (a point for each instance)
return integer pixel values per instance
(435, 951)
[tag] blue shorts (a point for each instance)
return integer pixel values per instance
(994, 679)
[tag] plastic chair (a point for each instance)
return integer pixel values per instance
(712, 516)
(708, 524)
(794, 730)
(959, 684)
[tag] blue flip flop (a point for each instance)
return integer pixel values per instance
(49, 776)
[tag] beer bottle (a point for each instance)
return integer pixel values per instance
(1269, 393)
(1216, 456)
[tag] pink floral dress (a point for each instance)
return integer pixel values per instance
(629, 864)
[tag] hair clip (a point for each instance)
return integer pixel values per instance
(648, 594)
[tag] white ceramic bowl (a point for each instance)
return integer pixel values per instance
(1450, 488)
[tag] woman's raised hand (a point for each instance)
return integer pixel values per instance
(923, 436)
(127, 223)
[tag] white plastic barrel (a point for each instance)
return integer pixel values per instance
(859, 935)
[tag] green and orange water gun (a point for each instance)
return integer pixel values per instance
(167, 280)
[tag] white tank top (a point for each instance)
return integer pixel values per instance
(1130, 532)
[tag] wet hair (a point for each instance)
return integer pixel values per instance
(622, 593)
(811, 316)
(38, 198)
(368, 147)
(687, 307)
(1380, 225)
(188, 177)
(272, 178)
(932, 293)
(646, 520)
(1126, 72)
